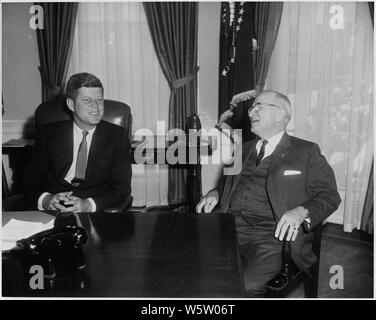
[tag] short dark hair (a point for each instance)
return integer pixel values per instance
(80, 80)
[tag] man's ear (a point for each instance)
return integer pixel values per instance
(279, 115)
(70, 104)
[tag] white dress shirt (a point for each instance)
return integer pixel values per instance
(77, 138)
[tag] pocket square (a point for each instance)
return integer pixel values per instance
(291, 172)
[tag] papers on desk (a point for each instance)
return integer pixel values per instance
(15, 230)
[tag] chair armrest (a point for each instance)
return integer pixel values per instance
(121, 207)
(14, 203)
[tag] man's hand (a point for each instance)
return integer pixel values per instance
(77, 204)
(52, 201)
(208, 202)
(291, 220)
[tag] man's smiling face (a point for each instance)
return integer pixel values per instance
(87, 107)
(265, 115)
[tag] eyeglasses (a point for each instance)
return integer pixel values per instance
(259, 105)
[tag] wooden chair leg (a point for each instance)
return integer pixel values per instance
(311, 284)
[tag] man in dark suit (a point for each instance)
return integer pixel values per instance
(81, 165)
(285, 188)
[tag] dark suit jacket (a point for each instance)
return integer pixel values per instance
(314, 188)
(108, 171)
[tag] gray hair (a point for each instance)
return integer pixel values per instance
(283, 102)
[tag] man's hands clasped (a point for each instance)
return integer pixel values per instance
(66, 202)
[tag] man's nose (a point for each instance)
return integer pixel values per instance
(96, 105)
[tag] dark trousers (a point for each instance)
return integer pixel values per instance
(261, 254)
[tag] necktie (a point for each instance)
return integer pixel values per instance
(81, 160)
(261, 153)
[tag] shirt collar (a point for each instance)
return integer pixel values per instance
(272, 141)
(78, 131)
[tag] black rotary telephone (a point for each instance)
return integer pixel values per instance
(58, 250)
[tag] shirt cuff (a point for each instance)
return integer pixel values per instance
(40, 200)
(93, 205)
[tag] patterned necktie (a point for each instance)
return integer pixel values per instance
(81, 160)
(261, 153)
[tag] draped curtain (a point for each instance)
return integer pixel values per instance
(113, 42)
(323, 60)
(173, 28)
(367, 218)
(371, 6)
(267, 18)
(55, 46)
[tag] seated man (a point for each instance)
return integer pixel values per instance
(81, 165)
(285, 188)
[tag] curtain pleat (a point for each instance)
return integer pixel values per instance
(267, 20)
(55, 45)
(173, 27)
(367, 217)
(371, 6)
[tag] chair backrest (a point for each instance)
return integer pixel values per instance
(115, 112)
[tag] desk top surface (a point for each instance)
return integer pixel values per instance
(159, 254)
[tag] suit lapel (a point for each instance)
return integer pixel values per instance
(273, 182)
(98, 144)
(65, 151)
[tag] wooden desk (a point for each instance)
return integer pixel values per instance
(149, 255)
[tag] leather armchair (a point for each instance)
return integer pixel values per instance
(114, 112)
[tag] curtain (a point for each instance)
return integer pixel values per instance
(367, 218)
(371, 6)
(323, 60)
(113, 42)
(267, 19)
(173, 28)
(55, 46)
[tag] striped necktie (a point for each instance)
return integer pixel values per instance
(261, 153)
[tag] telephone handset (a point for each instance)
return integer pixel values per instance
(57, 250)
